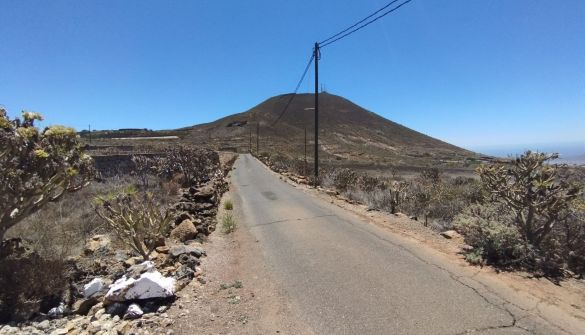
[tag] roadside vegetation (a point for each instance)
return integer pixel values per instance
(528, 213)
(64, 223)
(228, 223)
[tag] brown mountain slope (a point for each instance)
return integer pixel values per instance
(348, 134)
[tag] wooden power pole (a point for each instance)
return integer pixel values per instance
(316, 55)
(258, 138)
(305, 170)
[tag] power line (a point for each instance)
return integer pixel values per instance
(357, 23)
(355, 27)
(292, 97)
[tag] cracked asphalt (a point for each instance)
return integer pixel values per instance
(347, 276)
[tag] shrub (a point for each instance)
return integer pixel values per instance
(228, 205)
(135, 218)
(341, 179)
(530, 188)
(29, 283)
(37, 167)
(493, 241)
(195, 165)
(143, 168)
(228, 223)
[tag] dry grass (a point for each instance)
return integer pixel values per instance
(228, 223)
(60, 229)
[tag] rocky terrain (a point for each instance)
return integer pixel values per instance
(111, 290)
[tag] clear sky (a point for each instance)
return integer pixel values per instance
(476, 73)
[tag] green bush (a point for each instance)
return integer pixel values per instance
(228, 205)
(493, 240)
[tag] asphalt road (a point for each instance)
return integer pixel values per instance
(351, 277)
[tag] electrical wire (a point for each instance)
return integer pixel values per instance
(356, 27)
(357, 23)
(292, 97)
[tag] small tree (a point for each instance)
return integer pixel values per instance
(136, 218)
(194, 164)
(531, 188)
(37, 167)
(144, 167)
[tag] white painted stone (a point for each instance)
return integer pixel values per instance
(134, 312)
(148, 285)
(94, 287)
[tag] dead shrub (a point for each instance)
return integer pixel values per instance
(29, 284)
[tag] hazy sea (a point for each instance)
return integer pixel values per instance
(571, 153)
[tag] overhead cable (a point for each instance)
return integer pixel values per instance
(360, 24)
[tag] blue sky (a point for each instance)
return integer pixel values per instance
(476, 73)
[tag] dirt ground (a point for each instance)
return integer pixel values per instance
(239, 296)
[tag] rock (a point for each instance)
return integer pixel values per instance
(124, 327)
(205, 193)
(98, 314)
(136, 270)
(95, 287)
(450, 234)
(466, 248)
(133, 312)
(176, 251)
(97, 244)
(184, 231)
(121, 255)
(57, 312)
(331, 192)
(148, 285)
(162, 250)
(60, 331)
(44, 325)
(184, 271)
(133, 261)
(83, 306)
(94, 309)
(117, 308)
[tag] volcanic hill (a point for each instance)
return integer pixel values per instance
(349, 135)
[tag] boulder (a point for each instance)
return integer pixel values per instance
(95, 287)
(148, 285)
(58, 312)
(117, 308)
(450, 234)
(136, 270)
(83, 306)
(134, 312)
(96, 244)
(205, 193)
(184, 231)
(162, 250)
(179, 250)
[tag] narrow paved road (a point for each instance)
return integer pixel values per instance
(351, 277)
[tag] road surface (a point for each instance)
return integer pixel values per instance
(351, 277)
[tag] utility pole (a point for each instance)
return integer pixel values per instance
(316, 51)
(258, 138)
(89, 127)
(305, 172)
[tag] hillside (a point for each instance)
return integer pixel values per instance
(349, 134)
